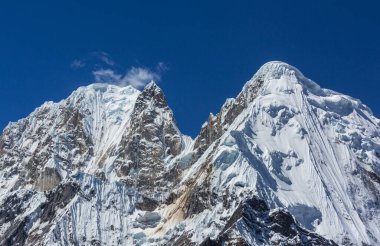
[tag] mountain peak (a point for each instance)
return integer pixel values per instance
(152, 86)
(150, 97)
(153, 92)
(275, 69)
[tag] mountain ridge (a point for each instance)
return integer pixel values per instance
(311, 155)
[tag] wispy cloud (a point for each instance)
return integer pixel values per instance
(107, 76)
(162, 67)
(77, 64)
(137, 77)
(96, 58)
(106, 70)
(104, 57)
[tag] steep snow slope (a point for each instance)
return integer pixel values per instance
(286, 162)
(60, 137)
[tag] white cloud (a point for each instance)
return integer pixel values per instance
(137, 77)
(107, 76)
(77, 64)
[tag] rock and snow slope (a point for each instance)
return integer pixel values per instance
(286, 162)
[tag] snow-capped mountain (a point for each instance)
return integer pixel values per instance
(285, 162)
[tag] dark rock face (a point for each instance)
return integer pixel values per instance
(19, 232)
(210, 242)
(282, 223)
(216, 125)
(374, 177)
(57, 199)
(253, 222)
(153, 136)
(13, 207)
(209, 133)
(183, 240)
(146, 204)
(200, 196)
(198, 201)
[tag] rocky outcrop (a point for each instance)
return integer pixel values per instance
(30, 215)
(50, 141)
(217, 125)
(152, 140)
(253, 223)
(48, 179)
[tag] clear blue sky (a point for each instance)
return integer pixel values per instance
(209, 48)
